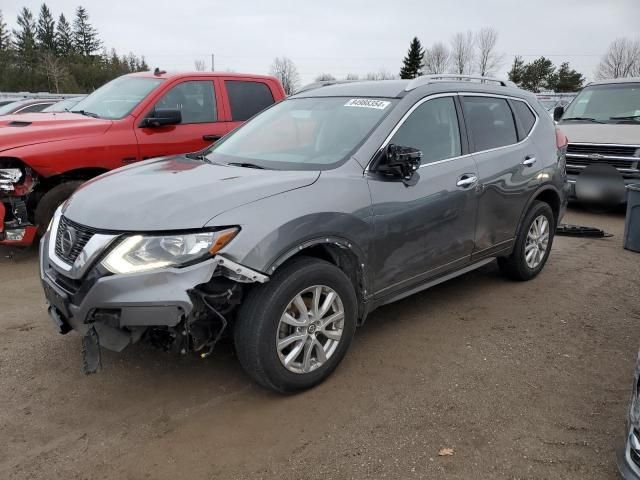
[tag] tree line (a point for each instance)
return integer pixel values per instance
(45, 54)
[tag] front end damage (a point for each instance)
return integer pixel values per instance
(181, 310)
(17, 183)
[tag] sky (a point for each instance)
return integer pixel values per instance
(345, 36)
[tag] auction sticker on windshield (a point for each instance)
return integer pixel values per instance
(367, 103)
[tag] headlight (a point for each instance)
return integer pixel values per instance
(141, 253)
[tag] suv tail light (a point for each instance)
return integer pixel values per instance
(561, 139)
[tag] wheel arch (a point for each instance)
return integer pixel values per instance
(341, 252)
(547, 194)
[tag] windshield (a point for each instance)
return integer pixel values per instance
(9, 107)
(117, 98)
(610, 103)
(62, 105)
(303, 134)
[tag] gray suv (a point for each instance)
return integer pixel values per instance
(291, 230)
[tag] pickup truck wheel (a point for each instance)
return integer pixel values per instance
(533, 244)
(294, 330)
(52, 200)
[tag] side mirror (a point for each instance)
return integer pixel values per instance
(161, 117)
(558, 112)
(400, 162)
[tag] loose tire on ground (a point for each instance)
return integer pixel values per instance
(51, 201)
(258, 325)
(515, 266)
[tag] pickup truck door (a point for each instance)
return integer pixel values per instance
(202, 120)
(244, 98)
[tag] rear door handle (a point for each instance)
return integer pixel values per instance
(466, 180)
(529, 161)
(211, 138)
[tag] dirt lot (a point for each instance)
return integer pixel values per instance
(522, 380)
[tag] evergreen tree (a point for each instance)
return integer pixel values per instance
(64, 37)
(412, 63)
(517, 70)
(565, 79)
(25, 38)
(536, 75)
(46, 30)
(85, 35)
(5, 35)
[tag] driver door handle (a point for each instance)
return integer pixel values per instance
(466, 180)
(529, 161)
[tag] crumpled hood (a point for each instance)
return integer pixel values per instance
(175, 193)
(31, 128)
(621, 133)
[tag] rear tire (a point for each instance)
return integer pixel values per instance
(533, 245)
(269, 317)
(51, 201)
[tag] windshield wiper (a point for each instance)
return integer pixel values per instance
(584, 119)
(246, 165)
(626, 117)
(86, 113)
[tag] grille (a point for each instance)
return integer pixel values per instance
(612, 150)
(79, 235)
(619, 156)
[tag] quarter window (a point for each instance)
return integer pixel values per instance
(524, 115)
(433, 129)
(247, 98)
(195, 99)
(490, 121)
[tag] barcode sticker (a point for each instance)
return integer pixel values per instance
(367, 103)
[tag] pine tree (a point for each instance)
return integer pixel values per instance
(85, 35)
(517, 70)
(46, 30)
(537, 74)
(64, 37)
(565, 79)
(5, 35)
(25, 37)
(412, 63)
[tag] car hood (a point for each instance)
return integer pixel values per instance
(175, 193)
(31, 128)
(621, 133)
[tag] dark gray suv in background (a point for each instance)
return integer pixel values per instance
(289, 231)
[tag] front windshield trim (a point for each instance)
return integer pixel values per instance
(284, 165)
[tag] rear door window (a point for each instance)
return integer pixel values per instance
(490, 121)
(247, 98)
(524, 115)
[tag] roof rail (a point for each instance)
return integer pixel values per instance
(426, 79)
(321, 83)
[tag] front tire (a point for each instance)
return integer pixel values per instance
(293, 331)
(51, 201)
(533, 244)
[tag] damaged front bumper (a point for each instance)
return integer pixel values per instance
(114, 311)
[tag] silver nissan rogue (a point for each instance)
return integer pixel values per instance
(290, 230)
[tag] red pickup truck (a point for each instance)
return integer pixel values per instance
(44, 157)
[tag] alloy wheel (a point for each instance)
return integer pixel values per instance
(537, 242)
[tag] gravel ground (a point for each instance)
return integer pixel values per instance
(521, 380)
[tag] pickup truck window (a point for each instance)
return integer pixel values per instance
(117, 98)
(247, 98)
(195, 99)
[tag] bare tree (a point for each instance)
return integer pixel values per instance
(462, 53)
(621, 60)
(323, 77)
(55, 70)
(352, 76)
(436, 59)
(199, 65)
(285, 70)
(381, 74)
(488, 60)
